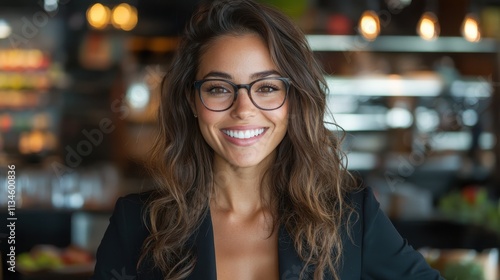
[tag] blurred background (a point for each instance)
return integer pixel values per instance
(414, 84)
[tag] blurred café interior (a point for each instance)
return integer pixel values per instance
(413, 83)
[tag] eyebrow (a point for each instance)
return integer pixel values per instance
(258, 75)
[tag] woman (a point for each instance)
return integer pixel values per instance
(251, 184)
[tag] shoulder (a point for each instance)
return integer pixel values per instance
(379, 251)
(129, 214)
(362, 205)
(128, 221)
(134, 201)
(367, 211)
(362, 199)
(121, 244)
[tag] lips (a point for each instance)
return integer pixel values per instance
(243, 134)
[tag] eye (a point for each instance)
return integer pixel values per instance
(268, 88)
(216, 88)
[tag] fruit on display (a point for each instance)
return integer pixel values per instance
(472, 205)
(75, 255)
(463, 271)
(48, 257)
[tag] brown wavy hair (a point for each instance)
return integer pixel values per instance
(309, 179)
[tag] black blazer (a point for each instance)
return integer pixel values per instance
(374, 251)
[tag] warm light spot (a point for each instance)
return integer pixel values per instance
(124, 16)
(369, 25)
(34, 59)
(98, 16)
(121, 15)
(132, 21)
(470, 29)
(428, 26)
(36, 141)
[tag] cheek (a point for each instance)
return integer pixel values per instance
(208, 117)
(207, 120)
(204, 115)
(284, 116)
(280, 119)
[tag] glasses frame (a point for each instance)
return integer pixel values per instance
(237, 87)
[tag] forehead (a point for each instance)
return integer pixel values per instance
(236, 55)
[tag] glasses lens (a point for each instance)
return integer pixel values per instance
(266, 94)
(269, 93)
(217, 94)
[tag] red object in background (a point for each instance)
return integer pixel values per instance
(74, 255)
(339, 24)
(469, 193)
(96, 51)
(5, 122)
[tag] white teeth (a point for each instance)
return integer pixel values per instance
(244, 134)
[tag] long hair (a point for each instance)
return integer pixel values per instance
(308, 180)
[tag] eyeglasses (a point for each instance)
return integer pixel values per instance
(266, 94)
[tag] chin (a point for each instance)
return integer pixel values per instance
(246, 161)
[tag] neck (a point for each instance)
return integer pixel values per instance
(239, 190)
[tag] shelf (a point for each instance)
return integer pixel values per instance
(461, 141)
(422, 85)
(343, 43)
(359, 122)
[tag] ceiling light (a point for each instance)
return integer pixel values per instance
(428, 26)
(124, 16)
(369, 25)
(470, 28)
(98, 16)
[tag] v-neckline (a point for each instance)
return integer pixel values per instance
(289, 262)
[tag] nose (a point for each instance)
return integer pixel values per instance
(243, 107)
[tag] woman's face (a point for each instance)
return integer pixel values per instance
(241, 60)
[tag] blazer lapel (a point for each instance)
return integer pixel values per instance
(205, 252)
(290, 264)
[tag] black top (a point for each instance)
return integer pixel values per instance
(374, 251)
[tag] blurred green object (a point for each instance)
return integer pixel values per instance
(293, 8)
(27, 262)
(472, 205)
(40, 261)
(48, 261)
(463, 271)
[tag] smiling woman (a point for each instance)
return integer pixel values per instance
(241, 59)
(250, 182)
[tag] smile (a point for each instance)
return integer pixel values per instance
(244, 134)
